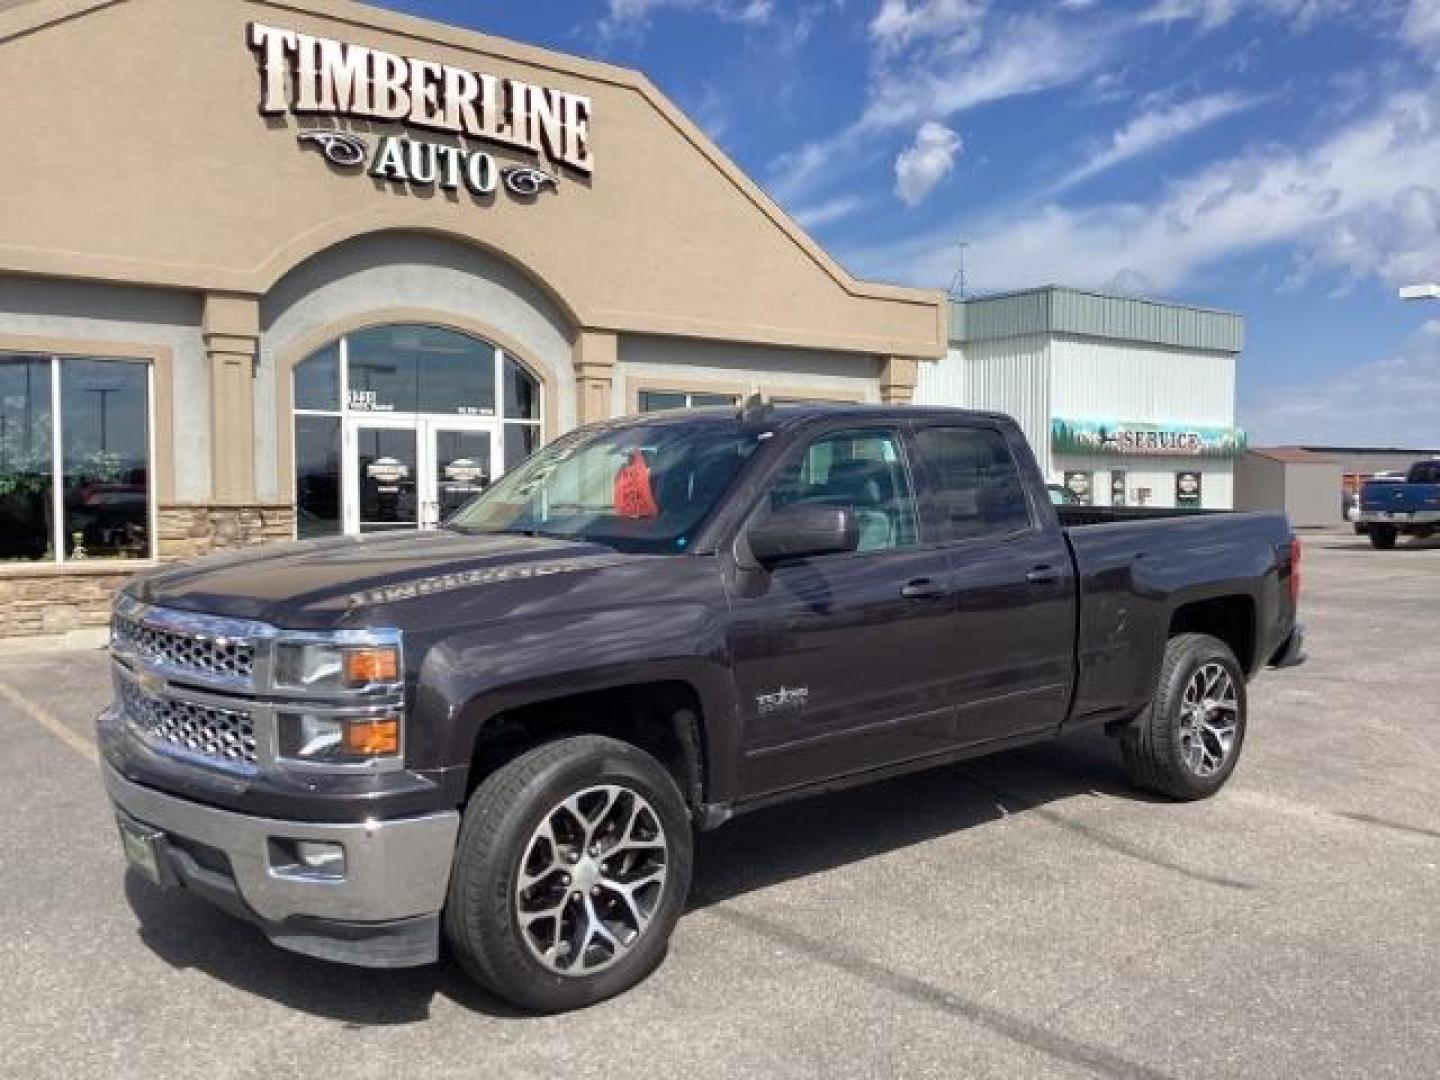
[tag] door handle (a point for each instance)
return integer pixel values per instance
(1043, 575)
(922, 589)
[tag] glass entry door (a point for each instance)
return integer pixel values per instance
(384, 477)
(414, 473)
(462, 458)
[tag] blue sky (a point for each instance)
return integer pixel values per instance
(1280, 158)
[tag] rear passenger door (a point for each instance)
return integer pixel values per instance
(1012, 585)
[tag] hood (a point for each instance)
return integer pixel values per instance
(319, 584)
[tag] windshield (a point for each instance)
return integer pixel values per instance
(642, 488)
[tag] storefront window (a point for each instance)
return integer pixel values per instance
(26, 473)
(660, 400)
(102, 471)
(437, 391)
(521, 440)
(522, 393)
(382, 370)
(317, 476)
(317, 380)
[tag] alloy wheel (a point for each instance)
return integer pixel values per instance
(1209, 719)
(591, 879)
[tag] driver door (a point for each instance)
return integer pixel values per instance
(840, 661)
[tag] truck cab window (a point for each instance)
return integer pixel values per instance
(976, 485)
(863, 470)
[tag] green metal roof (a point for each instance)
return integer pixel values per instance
(1054, 309)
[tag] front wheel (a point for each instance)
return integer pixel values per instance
(1383, 536)
(1187, 741)
(572, 868)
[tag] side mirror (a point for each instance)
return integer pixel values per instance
(803, 531)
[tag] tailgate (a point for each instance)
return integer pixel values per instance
(1400, 498)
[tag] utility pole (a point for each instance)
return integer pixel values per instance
(958, 283)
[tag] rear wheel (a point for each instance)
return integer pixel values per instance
(1187, 741)
(1383, 536)
(572, 868)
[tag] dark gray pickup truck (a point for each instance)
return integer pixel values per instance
(505, 733)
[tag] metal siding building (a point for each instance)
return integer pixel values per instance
(1305, 485)
(1055, 355)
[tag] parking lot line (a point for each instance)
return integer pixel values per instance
(51, 723)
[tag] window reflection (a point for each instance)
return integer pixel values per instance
(317, 380)
(317, 476)
(26, 525)
(522, 392)
(521, 440)
(387, 479)
(106, 469)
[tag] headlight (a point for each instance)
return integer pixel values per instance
(323, 739)
(321, 667)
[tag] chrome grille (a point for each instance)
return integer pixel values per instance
(212, 656)
(227, 735)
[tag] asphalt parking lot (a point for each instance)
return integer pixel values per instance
(1024, 915)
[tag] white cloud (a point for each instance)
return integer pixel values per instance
(1208, 13)
(1027, 54)
(1392, 402)
(1421, 26)
(1365, 201)
(631, 17)
(829, 211)
(1300, 14)
(938, 79)
(925, 162)
(899, 24)
(1156, 127)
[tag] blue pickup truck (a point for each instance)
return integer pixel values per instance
(1389, 510)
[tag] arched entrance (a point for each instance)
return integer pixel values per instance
(398, 426)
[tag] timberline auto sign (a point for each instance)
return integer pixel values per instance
(1154, 440)
(309, 76)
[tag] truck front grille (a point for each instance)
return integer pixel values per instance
(227, 735)
(211, 656)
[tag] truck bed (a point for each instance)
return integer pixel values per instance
(1137, 565)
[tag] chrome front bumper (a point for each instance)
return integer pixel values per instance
(394, 870)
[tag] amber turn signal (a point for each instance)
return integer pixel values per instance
(378, 665)
(373, 738)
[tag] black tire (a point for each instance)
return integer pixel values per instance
(482, 917)
(1383, 536)
(1154, 746)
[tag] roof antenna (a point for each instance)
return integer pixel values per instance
(756, 408)
(958, 283)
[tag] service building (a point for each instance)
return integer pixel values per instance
(1125, 401)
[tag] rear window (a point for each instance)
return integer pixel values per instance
(1425, 472)
(976, 487)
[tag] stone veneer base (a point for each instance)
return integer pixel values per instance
(58, 606)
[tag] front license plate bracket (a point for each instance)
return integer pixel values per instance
(144, 849)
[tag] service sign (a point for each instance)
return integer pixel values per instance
(314, 78)
(1147, 440)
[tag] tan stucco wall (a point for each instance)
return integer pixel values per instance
(146, 160)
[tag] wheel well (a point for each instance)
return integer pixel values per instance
(1229, 618)
(662, 718)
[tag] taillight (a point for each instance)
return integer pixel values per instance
(1295, 570)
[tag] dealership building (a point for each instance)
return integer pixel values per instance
(287, 269)
(290, 269)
